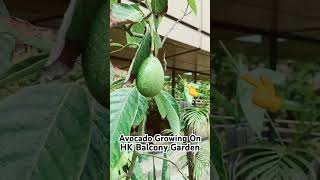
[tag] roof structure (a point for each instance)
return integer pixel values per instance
(276, 29)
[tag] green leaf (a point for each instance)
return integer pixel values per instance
(157, 21)
(169, 109)
(221, 99)
(156, 39)
(273, 76)
(297, 168)
(165, 168)
(150, 177)
(256, 163)
(193, 6)
(21, 70)
(45, 133)
(123, 111)
(112, 2)
(217, 155)
(269, 161)
(195, 118)
(137, 172)
(142, 53)
(96, 167)
(124, 12)
(202, 160)
(114, 44)
(158, 6)
(253, 113)
(117, 171)
(268, 169)
(112, 73)
(161, 106)
(142, 110)
(137, 28)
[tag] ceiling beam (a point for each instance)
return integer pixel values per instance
(254, 30)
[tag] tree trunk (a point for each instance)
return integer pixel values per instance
(190, 157)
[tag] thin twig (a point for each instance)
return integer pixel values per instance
(131, 168)
(274, 128)
(185, 13)
(123, 176)
(123, 47)
(134, 34)
(168, 161)
(135, 153)
(234, 64)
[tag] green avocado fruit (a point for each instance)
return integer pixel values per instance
(150, 78)
(95, 60)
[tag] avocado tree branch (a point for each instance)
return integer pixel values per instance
(135, 153)
(185, 13)
(123, 47)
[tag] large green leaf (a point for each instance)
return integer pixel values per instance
(124, 12)
(269, 162)
(275, 77)
(169, 109)
(137, 28)
(45, 133)
(217, 155)
(195, 118)
(112, 2)
(142, 53)
(96, 167)
(118, 170)
(7, 43)
(155, 37)
(112, 73)
(137, 171)
(23, 69)
(158, 6)
(142, 110)
(202, 161)
(253, 113)
(221, 99)
(123, 110)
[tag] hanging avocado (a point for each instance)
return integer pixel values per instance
(150, 79)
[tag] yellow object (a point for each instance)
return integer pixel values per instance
(264, 95)
(193, 92)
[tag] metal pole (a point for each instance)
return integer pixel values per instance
(273, 37)
(173, 82)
